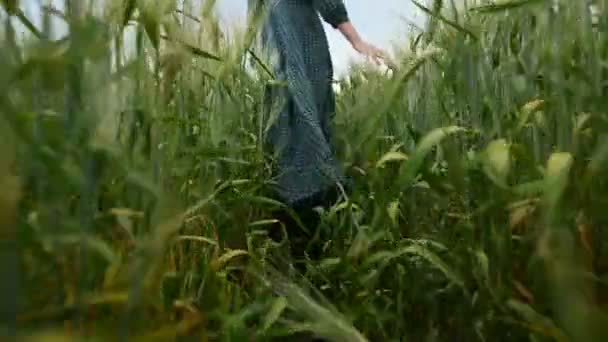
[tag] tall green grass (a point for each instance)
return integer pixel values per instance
(135, 188)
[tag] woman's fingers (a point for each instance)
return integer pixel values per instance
(375, 58)
(378, 59)
(371, 52)
(378, 55)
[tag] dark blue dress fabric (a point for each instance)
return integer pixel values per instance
(295, 45)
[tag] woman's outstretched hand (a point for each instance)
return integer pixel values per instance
(366, 49)
(369, 51)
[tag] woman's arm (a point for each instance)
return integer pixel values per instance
(349, 32)
(334, 13)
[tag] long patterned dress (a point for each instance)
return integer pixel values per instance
(293, 34)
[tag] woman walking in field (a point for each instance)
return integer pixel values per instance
(293, 38)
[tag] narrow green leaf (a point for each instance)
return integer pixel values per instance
(263, 223)
(503, 5)
(445, 20)
(392, 156)
(436, 261)
(10, 6)
(193, 49)
(196, 239)
(280, 304)
(259, 61)
(526, 111)
(424, 148)
(599, 158)
(263, 200)
(393, 211)
(556, 181)
(225, 258)
(150, 19)
(536, 321)
(328, 263)
(422, 251)
(484, 264)
(130, 6)
(323, 320)
(496, 161)
(27, 23)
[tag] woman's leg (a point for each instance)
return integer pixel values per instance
(301, 240)
(298, 237)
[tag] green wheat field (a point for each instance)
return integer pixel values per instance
(135, 192)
